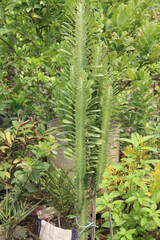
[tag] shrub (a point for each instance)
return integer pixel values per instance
(134, 213)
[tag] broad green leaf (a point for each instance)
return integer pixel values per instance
(34, 15)
(20, 175)
(15, 124)
(126, 140)
(150, 149)
(118, 202)
(152, 161)
(123, 238)
(142, 185)
(136, 206)
(31, 188)
(131, 73)
(146, 138)
(131, 199)
(114, 194)
(115, 217)
(122, 230)
(143, 221)
(117, 166)
(3, 148)
(35, 176)
(28, 9)
(7, 174)
(4, 31)
(129, 236)
(2, 135)
(22, 140)
(107, 224)
(157, 220)
(9, 138)
(2, 96)
(2, 174)
(156, 196)
(106, 197)
(135, 140)
(42, 166)
(105, 215)
(100, 208)
(16, 161)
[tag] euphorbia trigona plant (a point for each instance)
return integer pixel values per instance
(84, 103)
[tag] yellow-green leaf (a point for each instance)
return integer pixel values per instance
(34, 15)
(9, 138)
(7, 174)
(16, 160)
(2, 148)
(2, 135)
(22, 140)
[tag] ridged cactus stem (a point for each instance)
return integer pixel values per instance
(80, 145)
(83, 230)
(80, 118)
(80, 37)
(106, 95)
(86, 92)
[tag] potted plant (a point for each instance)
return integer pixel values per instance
(84, 104)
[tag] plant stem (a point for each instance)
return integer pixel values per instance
(80, 106)
(106, 93)
(8, 45)
(80, 147)
(93, 217)
(83, 222)
(110, 223)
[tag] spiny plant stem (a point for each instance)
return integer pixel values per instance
(106, 114)
(83, 221)
(86, 92)
(80, 147)
(93, 217)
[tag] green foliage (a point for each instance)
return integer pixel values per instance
(39, 69)
(138, 103)
(131, 34)
(29, 37)
(30, 94)
(12, 212)
(27, 27)
(155, 186)
(148, 42)
(59, 188)
(126, 193)
(23, 148)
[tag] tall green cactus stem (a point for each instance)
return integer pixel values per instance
(80, 145)
(97, 60)
(80, 116)
(83, 221)
(85, 105)
(106, 102)
(80, 37)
